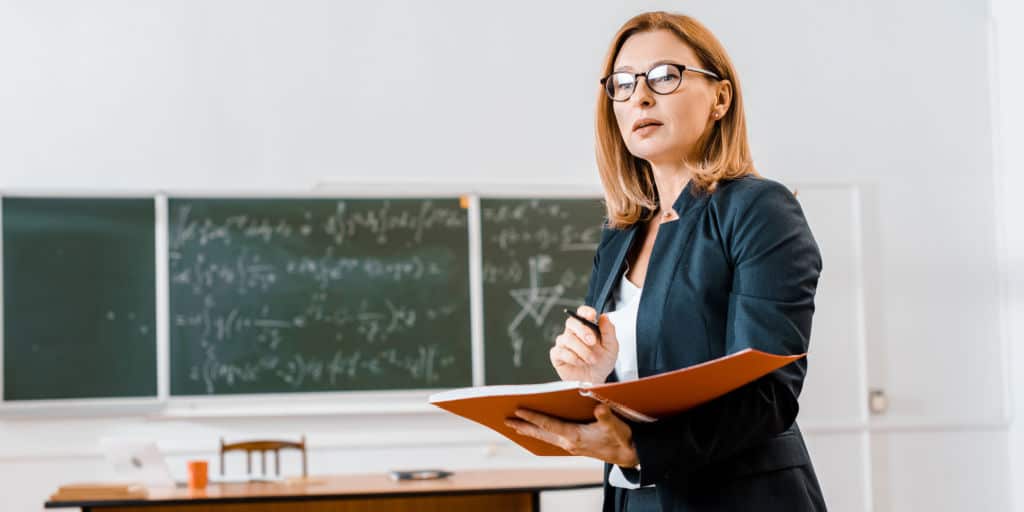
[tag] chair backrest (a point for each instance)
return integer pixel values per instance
(263, 446)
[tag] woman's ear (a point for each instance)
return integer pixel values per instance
(723, 99)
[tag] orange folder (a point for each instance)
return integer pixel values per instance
(645, 399)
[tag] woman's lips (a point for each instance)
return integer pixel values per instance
(645, 126)
(646, 130)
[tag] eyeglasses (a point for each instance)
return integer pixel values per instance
(661, 79)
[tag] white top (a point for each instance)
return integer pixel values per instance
(623, 317)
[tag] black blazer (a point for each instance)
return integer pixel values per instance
(738, 269)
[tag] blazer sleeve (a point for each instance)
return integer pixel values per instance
(776, 264)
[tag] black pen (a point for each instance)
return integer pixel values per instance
(588, 323)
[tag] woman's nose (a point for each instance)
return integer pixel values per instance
(641, 93)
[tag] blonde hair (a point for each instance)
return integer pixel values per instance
(629, 186)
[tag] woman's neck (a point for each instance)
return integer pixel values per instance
(670, 180)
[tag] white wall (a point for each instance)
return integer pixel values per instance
(891, 95)
(1009, 81)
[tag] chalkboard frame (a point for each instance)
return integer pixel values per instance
(355, 400)
(331, 403)
(85, 407)
(170, 407)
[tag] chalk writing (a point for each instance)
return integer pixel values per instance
(537, 258)
(272, 295)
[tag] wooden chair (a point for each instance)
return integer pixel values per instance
(263, 446)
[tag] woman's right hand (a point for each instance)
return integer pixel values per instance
(579, 354)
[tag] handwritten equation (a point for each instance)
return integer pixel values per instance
(274, 295)
(537, 259)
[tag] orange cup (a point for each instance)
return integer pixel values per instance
(197, 474)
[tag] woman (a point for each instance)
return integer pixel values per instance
(700, 258)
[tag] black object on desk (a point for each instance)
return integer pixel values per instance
(420, 474)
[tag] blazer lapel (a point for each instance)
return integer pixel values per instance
(625, 241)
(653, 322)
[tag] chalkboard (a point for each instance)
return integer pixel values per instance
(291, 295)
(537, 258)
(79, 298)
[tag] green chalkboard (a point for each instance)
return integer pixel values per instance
(295, 295)
(537, 258)
(79, 298)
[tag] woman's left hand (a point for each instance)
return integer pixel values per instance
(609, 438)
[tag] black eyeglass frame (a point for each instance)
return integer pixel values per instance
(682, 68)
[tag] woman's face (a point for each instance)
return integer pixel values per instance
(679, 118)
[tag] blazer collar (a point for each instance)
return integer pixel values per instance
(686, 199)
(623, 242)
(620, 247)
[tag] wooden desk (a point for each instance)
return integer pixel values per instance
(487, 490)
